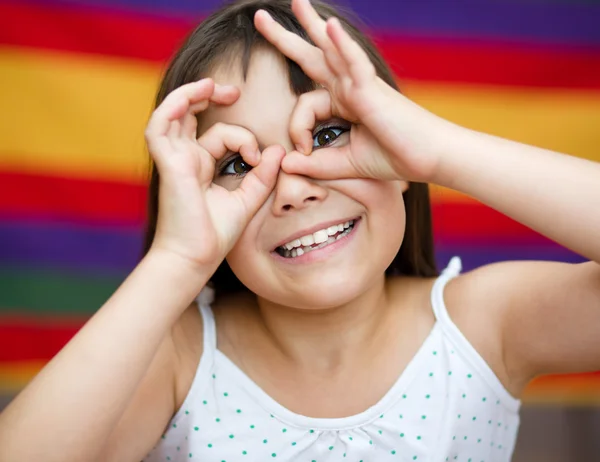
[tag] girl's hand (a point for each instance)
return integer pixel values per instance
(391, 137)
(199, 220)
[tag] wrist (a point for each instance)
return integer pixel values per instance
(456, 157)
(186, 274)
(417, 141)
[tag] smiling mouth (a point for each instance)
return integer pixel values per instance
(315, 241)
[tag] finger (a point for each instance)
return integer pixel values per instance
(221, 138)
(359, 65)
(189, 122)
(165, 124)
(223, 95)
(308, 57)
(160, 130)
(174, 129)
(324, 164)
(316, 28)
(311, 107)
(260, 181)
(177, 103)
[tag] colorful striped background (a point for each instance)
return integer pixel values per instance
(77, 79)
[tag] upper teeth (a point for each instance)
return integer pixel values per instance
(317, 237)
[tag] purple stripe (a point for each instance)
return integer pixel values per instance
(117, 249)
(112, 249)
(568, 22)
(476, 256)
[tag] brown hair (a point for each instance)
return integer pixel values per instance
(228, 34)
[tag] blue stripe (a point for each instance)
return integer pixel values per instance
(475, 256)
(105, 250)
(116, 250)
(545, 22)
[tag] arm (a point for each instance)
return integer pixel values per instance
(554, 194)
(545, 316)
(68, 412)
(392, 138)
(148, 412)
(83, 404)
(549, 313)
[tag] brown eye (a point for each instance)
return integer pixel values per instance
(327, 136)
(240, 167)
(237, 166)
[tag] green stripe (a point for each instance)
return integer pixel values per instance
(53, 291)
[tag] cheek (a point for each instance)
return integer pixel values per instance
(246, 259)
(386, 218)
(383, 202)
(384, 222)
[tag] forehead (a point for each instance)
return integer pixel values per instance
(266, 99)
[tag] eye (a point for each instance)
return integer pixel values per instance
(236, 166)
(327, 135)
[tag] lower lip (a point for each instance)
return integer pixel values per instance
(323, 253)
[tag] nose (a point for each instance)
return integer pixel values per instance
(296, 192)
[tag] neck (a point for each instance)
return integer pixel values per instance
(326, 339)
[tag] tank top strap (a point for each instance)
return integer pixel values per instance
(204, 299)
(437, 293)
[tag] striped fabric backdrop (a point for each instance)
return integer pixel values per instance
(77, 80)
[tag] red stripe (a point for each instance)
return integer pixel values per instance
(41, 339)
(91, 31)
(34, 339)
(562, 378)
(45, 197)
(492, 63)
(146, 37)
(28, 197)
(474, 223)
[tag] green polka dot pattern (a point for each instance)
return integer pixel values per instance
(227, 417)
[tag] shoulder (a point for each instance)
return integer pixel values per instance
(410, 298)
(187, 338)
(467, 302)
(477, 306)
(230, 314)
(528, 318)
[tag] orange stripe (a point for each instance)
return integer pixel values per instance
(94, 111)
(14, 376)
(576, 389)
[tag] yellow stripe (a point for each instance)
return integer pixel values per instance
(15, 375)
(84, 116)
(573, 390)
(563, 120)
(439, 194)
(74, 115)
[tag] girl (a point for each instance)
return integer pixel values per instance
(330, 336)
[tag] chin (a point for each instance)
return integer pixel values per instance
(322, 296)
(316, 290)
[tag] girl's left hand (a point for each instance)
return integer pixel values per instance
(391, 137)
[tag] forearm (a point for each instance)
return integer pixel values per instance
(554, 194)
(68, 411)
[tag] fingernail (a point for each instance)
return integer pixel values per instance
(263, 13)
(299, 148)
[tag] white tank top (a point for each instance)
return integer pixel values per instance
(447, 405)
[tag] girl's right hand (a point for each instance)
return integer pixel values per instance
(198, 220)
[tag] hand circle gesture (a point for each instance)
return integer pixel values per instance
(199, 220)
(391, 137)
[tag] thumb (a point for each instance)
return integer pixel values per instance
(323, 164)
(260, 181)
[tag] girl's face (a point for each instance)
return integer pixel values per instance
(368, 215)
